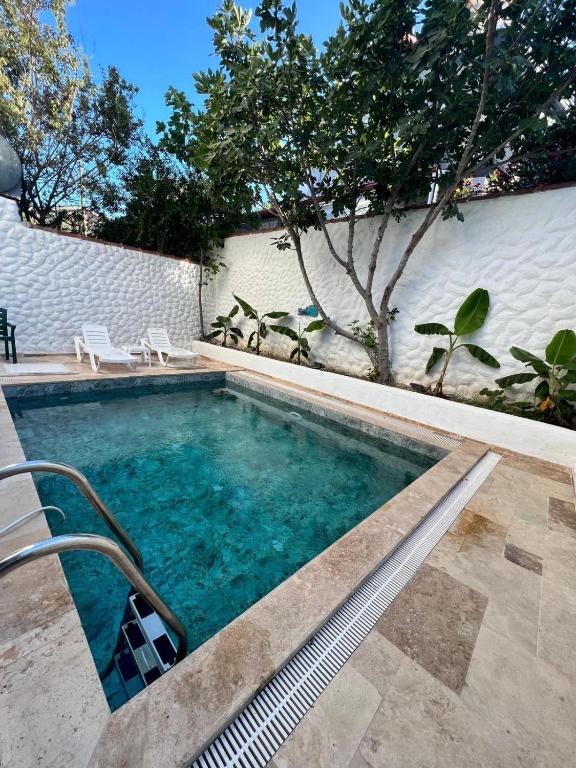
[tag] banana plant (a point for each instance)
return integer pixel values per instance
(224, 327)
(302, 348)
(469, 318)
(557, 372)
(261, 331)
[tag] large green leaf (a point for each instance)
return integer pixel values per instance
(472, 313)
(285, 331)
(249, 311)
(482, 355)
(567, 394)
(541, 368)
(432, 329)
(315, 325)
(542, 390)
(516, 378)
(437, 354)
(524, 356)
(276, 315)
(562, 348)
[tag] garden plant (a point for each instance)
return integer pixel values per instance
(261, 330)
(554, 397)
(302, 348)
(224, 327)
(469, 318)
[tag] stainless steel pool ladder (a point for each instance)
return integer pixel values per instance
(87, 491)
(28, 516)
(91, 543)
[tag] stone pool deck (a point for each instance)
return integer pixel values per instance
(472, 665)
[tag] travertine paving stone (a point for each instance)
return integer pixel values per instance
(336, 724)
(562, 516)
(434, 621)
(522, 558)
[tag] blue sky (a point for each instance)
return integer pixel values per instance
(158, 44)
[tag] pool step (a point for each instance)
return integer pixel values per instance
(145, 651)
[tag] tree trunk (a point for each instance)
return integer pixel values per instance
(200, 307)
(383, 369)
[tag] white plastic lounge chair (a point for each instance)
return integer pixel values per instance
(159, 343)
(96, 343)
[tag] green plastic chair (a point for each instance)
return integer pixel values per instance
(7, 334)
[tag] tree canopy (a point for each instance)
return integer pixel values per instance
(405, 95)
(70, 132)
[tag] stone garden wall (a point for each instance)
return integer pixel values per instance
(521, 247)
(51, 283)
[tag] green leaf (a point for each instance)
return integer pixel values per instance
(294, 353)
(213, 334)
(562, 348)
(437, 354)
(567, 394)
(315, 325)
(541, 368)
(542, 390)
(234, 310)
(249, 311)
(276, 315)
(482, 355)
(432, 329)
(250, 339)
(472, 314)
(234, 338)
(515, 378)
(285, 331)
(523, 356)
(236, 332)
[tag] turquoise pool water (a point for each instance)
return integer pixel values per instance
(226, 493)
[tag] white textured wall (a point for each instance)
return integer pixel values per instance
(51, 284)
(521, 248)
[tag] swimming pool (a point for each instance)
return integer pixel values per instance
(227, 492)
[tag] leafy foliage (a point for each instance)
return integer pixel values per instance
(554, 395)
(71, 134)
(162, 205)
(302, 348)
(469, 318)
(379, 115)
(261, 330)
(224, 327)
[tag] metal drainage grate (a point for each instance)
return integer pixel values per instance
(251, 740)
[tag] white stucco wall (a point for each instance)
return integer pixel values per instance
(521, 248)
(51, 284)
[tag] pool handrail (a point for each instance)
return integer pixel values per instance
(28, 516)
(90, 542)
(71, 473)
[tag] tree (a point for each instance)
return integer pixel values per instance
(162, 205)
(71, 134)
(381, 114)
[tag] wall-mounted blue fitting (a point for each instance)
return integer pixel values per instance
(311, 311)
